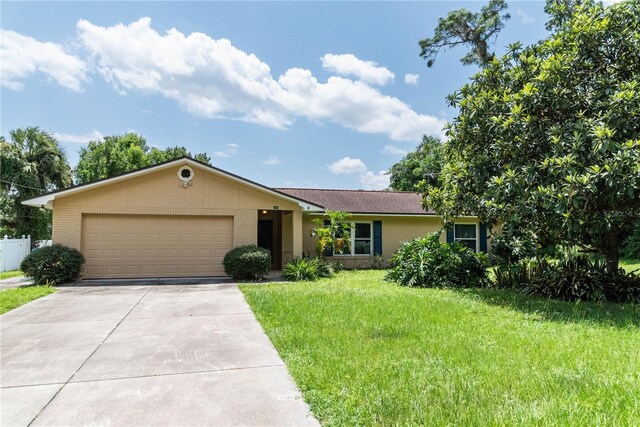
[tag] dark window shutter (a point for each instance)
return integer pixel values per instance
(450, 233)
(377, 237)
(328, 251)
(483, 237)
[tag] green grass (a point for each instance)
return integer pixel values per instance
(11, 273)
(630, 264)
(367, 352)
(12, 298)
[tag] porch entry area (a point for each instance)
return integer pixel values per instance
(275, 233)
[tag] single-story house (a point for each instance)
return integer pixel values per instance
(180, 218)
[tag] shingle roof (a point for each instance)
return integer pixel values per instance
(362, 201)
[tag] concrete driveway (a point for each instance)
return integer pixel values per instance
(143, 355)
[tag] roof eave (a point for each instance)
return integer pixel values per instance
(46, 200)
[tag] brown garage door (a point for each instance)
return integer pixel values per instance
(155, 246)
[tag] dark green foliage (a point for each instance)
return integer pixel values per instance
(421, 166)
(462, 27)
(546, 139)
(118, 154)
(53, 265)
(631, 245)
(31, 162)
(426, 262)
(508, 248)
(301, 269)
(325, 268)
(517, 275)
(306, 269)
(248, 262)
(571, 278)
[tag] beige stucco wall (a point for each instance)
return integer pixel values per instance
(161, 193)
(395, 230)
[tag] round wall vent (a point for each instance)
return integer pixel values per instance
(185, 173)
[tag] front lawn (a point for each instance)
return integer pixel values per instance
(12, 298)
(630, 264)
(368, 352)
(11, 273)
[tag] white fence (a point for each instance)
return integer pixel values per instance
(13, 251)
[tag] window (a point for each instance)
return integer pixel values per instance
(466, 234)
(361, 239)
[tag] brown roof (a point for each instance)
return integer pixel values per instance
(362, 201)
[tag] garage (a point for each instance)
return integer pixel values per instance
(118, 246)
(172, 219)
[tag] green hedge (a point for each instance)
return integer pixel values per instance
(53, 265)
(248, 262)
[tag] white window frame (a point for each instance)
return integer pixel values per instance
(352, 241)
(477, 238)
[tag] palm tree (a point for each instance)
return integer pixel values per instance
(31, 163)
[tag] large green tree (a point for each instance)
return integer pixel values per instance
(114, 155)
(462, 27)
(31, 162)
(561, 11)
(548, 137)
(422, 166)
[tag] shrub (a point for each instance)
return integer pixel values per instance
(508, 248)
(428, 263)
(53, 264)
(306, 269)
(514, 276)
(248, 262)
(325, 268)
(337, 266)
(570, 278)
(299, 269)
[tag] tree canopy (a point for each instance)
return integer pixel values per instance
(560, 11)
(421, 166)
(462, 27)
(547, 137)
(118, 154)
(31, 163)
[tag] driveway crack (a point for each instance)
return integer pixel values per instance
(91, 355)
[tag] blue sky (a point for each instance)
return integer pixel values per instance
(289, 94)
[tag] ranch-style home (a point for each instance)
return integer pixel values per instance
(179, 219)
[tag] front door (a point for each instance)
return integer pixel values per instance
(265, 237)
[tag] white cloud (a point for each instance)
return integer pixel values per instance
(371, 181)
(367, 179)
(207, 77)
(411, 79)
(230, 150)
(21, 56)
(394, 151)
(349, 65)
(211, 78)
(355, 105)
(525, 18)
(94, 135)
(272, 161)
(347, 165)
